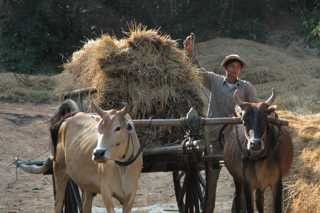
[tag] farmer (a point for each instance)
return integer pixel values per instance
(221, 104)
(222, 87)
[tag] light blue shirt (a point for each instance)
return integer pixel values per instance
(221, 103)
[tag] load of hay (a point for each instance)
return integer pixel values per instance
(146, 70)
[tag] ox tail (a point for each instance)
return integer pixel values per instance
(72, 200)
(67, 109)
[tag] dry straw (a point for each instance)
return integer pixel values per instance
(145, 69)
(302, 186)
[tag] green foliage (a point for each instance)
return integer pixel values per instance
(29, 36)
(312, 30)
(34, 33)
(316, 31)
(247, 29)
(310, 13)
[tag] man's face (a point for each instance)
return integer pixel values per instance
(233, 70)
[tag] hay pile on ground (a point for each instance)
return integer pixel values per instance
(146, 70)
(302, 185)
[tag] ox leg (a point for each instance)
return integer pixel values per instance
(248, 197)
(107, 200)
(61, 180)
(236, 204)
(128, 205)
(277, 196)
(260, 200)
(87, 198)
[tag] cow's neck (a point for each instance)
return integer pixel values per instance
(272, 138)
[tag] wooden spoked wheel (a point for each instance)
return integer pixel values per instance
(189, 188)
(192, 192)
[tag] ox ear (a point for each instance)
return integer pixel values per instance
(271, 109)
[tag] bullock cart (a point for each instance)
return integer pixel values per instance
(194, 164)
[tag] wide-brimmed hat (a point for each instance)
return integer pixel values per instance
(232, 57)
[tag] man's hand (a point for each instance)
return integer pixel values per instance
(188, 44)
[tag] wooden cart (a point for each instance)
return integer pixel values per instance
(194, 164)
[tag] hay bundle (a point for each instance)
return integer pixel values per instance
(146, 69)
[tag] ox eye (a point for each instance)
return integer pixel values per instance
(129, 127)
(117, 129)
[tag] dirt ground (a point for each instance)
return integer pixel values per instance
(24, 134)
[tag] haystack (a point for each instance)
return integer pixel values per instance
(145, 69)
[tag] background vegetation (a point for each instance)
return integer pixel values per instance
(37, 36)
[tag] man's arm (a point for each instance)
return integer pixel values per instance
(251, 93)
(206, 76)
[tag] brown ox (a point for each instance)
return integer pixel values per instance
(257, 154)
(101, 154)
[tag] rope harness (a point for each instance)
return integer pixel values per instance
(133, 156)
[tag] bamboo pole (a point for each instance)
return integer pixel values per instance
(204, 121)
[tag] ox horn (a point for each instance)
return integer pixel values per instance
(270, 100)
(237, 99)
(95, 108)
(124, 110)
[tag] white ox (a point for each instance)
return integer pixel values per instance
(101, 154)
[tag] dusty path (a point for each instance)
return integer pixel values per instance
(24, 134)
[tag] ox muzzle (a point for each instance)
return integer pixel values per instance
(255, 144)
(100, 155)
